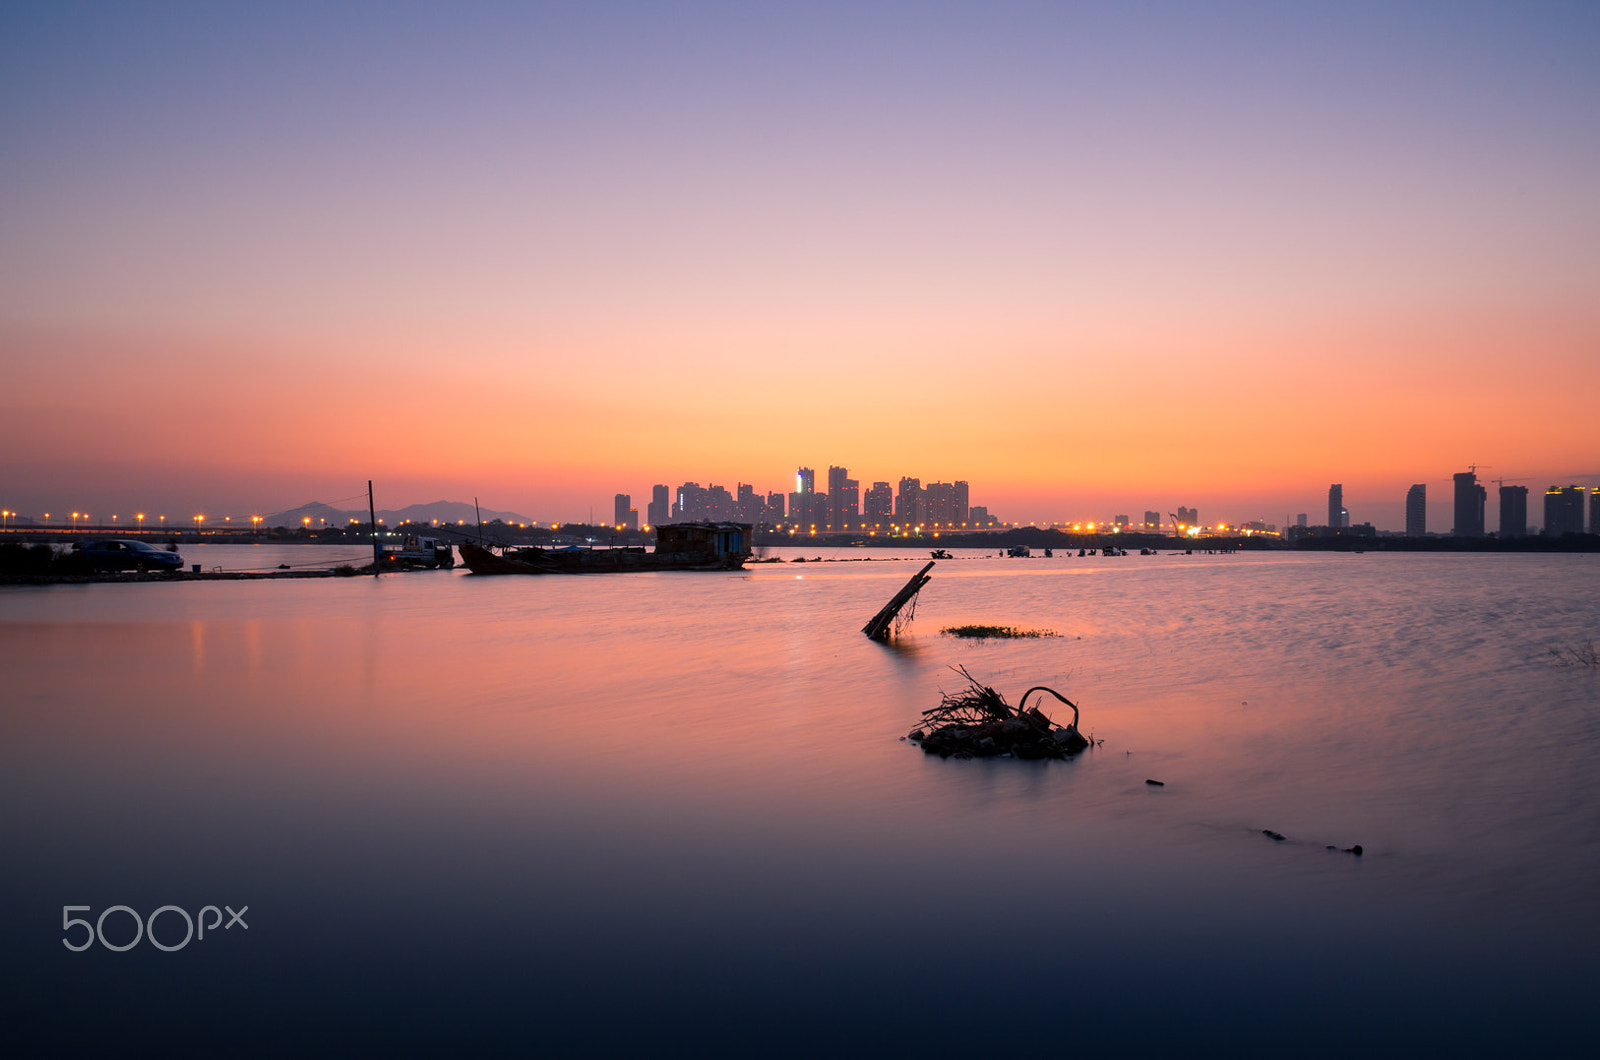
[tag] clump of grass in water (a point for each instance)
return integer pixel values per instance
(1584, 655)
(981, 632)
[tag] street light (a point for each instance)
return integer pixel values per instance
(140, 517)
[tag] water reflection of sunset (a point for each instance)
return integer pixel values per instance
(629, 779)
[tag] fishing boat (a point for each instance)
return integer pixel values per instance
(679, 546)
(416, 551)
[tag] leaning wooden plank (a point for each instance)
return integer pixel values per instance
(878, 628)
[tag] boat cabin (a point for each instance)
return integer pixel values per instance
(721, 540)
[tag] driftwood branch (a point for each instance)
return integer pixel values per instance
(1021, 707)
(878, 627)
(977, 722)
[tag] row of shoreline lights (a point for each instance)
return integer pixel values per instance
(199, 520)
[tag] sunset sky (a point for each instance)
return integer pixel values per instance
(1092, 259)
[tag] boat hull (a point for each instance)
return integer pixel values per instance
(592, 561)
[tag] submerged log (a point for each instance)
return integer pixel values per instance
(878, 627)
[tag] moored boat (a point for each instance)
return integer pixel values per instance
(679, 546)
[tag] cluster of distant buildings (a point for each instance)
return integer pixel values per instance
(842, 506)
(1563, 509)
(944, 506)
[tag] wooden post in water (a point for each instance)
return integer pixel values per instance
(878, 628)
(377, 550)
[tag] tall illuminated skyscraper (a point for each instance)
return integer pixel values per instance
(803, 501)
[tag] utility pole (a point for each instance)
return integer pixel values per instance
(377, 550)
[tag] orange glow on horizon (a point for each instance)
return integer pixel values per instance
(1259, 417)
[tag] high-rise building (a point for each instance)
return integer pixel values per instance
(940, 504)
(1188, 517)
(1336, 510)
(659, 510)
(620, 508)
(1469, 504)
(1563, 510)
(803, 501)
(844, 499)
(777, 512)
(748, 505)
(1152, 520)
(979, 516)
(908, 503)
(1513, 511)
(1301, 519)
(963, 506)
(878, 506)
(691, 504)
(1417, 510)
(719, 503)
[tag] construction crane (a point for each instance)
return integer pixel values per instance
(1177, 530)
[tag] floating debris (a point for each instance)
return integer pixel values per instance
(1583, 655)
(1156, 783)
(981, 632)
(977, 722)
(1276, 837)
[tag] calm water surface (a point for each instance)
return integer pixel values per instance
(659, 812)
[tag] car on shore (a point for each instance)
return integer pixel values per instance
(126, 554)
